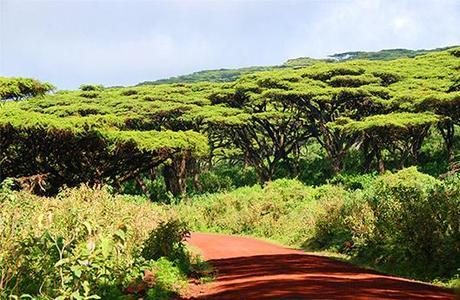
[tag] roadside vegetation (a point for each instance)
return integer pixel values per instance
(406, 223)
(89, 244)
(102, 185)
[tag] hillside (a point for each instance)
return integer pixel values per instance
(387, 54)
(220, 75)
(228, 75)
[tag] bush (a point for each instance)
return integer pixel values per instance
(407, 222)
(168, 280)
(329, 226)
(91, 87)
(404, 214)
(225, 178)
(354, 181)
(282, 210)
(83, 244)
(167, 240)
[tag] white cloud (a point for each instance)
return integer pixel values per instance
(403, 23)
(124, 42)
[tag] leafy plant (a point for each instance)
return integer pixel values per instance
(84, 244)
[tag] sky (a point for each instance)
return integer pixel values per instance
(124, 42)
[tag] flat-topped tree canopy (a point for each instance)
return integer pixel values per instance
(112, 135)
(446, 104)
(324, 92)
(402, 134)
(263, 118)
(20, 88)
(394, 122)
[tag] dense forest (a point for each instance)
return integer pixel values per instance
(371, 115)
(356, 154)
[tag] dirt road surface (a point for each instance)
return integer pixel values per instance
(248, 268)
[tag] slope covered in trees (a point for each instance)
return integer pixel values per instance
(228, 75)
(379, 111)
(387, 54)
(220, 75)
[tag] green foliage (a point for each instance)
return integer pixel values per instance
(304, 61)
(83, 244)
(21, 88)
(325, 121)
(365, 114)
(168, 280)
(166, 241)
(228, 75)
(406, 222)
(384, 54)
(225, 178)
(221, 75)
(354, 181)
(282, 210)
(417, 222)
(91, 87)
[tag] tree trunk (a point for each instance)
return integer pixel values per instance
(264, 173)
(143, 187)
(380, 161)
(367, 155)
(337, 162)
(193, 167)
(175, 175)
(447, 132)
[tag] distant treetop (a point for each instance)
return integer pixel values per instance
(17, 88)
(229, 75)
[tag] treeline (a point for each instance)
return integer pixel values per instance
(386, 54)
(220, 75)
(228, 75)
(374, 114)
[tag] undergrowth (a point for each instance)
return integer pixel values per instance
(405, 222)
(88, 244)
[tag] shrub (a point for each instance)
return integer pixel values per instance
(83, 244)
(167, 240)
(211, 182)
(401, 204)
(354, 181)
(224, 178)
(168, 280)
(91, 87)
(282, 210)
(407, 222)
(330, 232)
(413, 223)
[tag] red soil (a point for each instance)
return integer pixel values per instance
(253, 269)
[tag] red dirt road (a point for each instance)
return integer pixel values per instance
(252, 269)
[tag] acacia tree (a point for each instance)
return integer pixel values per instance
(325, 109)
(64, 157)
(21, 88)
(288, 108)
(447, 105)
(267, 131)
(401, 134)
